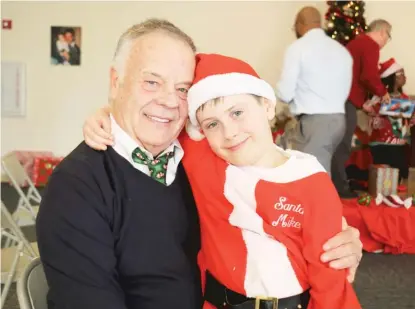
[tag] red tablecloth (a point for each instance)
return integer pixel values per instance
(382, 227)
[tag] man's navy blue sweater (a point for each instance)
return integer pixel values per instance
(110, 237)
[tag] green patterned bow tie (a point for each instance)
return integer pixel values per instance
(157, 166)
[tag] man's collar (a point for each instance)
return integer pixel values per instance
(314, 30)
(125, 144)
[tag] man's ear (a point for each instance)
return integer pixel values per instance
(114, 83)
(270, 108)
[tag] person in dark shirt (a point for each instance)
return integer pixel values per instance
(118, 229)
(365, 50)
(110, 236)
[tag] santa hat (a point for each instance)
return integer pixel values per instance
(389, 67)
(217, 76)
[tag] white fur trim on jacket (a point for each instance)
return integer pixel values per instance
(216, 86)
(395, 67)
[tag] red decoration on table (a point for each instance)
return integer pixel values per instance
(364, 199)
(43, 168)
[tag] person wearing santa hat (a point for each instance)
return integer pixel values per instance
(265, 212)
(390, 135)
(393, 77)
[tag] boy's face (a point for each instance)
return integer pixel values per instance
(238, 129)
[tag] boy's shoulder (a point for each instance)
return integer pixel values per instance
(299, 166)
(303, 164)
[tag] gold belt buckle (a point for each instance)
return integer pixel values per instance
(258, 300)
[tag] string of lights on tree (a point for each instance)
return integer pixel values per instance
(345, 20)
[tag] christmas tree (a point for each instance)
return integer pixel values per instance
(345, 20)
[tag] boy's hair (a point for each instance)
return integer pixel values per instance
(220, 100)
(259, 99)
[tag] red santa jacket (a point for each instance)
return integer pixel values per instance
(366, 78)
(263, 229)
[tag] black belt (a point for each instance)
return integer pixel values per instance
(223, 298)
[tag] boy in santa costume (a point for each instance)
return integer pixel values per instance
(265, 212)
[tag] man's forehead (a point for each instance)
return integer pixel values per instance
(163, 58)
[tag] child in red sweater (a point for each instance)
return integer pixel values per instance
(264, 212)
(390, 135)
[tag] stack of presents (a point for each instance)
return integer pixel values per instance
(384, 213)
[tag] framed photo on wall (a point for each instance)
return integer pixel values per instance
(65, 45)
(13, 89)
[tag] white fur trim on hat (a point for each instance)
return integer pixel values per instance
(194, 132)
(395, 67)
(220, 85)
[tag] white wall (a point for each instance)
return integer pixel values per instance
(60, 98)
(402, 46)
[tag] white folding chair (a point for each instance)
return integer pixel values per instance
(18, 246)
(18, 177)
(32, 287)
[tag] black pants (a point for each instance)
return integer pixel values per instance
(395, 156)
(343, 150)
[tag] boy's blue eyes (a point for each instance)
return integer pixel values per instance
(236, 113)
(211, 125)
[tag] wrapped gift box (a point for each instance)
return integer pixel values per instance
(43, 168)
(383, 179)
(398, 108)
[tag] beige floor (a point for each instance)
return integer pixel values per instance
(7, 257)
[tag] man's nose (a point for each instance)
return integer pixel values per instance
(169, 99)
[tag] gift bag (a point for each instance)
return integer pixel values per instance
(383, 179)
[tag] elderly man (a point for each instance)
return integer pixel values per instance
(365, 50)
(315, 81)
(118, 228)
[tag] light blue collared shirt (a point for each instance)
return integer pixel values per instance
(316, 76)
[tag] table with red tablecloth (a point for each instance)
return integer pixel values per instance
(382, 228)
